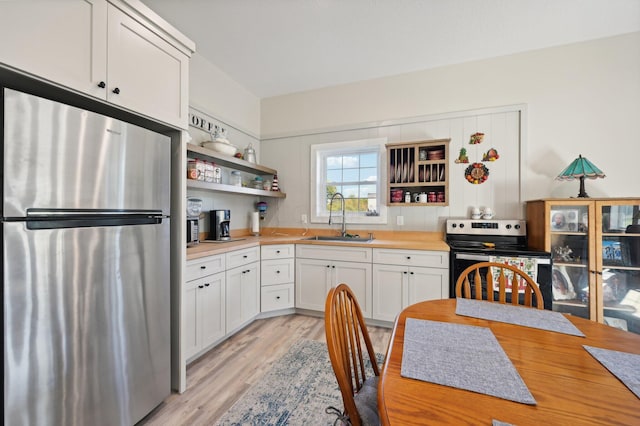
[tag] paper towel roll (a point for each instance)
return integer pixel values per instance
(255, 223)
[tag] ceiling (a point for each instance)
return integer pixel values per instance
(275, 47)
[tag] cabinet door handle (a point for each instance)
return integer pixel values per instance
(408, 257)
(207, 284)
(116, 91)
(102, 85)
(405, 272)
(277, 272)
(277, 297)
(277, 251)
(411, 273)
(203, 267)
(328, 266)
(334, 266)
(200, 286)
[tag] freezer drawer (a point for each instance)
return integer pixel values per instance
(87, 325)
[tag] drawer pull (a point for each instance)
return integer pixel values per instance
(277, 272)
(277, 297)
(245, 256)
(408, 257)
(203, 267)
(277, 251)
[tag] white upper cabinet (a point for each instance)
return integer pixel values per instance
(61, 41)
(116, 50)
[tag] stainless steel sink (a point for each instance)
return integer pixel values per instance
(354, 239)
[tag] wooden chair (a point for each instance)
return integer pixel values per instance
(347, 341)
(472, 274)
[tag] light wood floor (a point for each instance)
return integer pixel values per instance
(219, 378)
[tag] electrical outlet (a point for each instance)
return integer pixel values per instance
(303, 219)
(400, 220)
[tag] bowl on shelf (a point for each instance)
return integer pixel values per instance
(221, 147)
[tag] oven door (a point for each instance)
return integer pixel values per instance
(462, 260)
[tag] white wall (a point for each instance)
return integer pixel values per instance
(581, 99)
(214, 92)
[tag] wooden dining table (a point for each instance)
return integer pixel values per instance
(569, 385)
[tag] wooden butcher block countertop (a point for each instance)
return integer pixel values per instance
(412, 240)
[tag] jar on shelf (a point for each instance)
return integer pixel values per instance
(208, 174)
(200, 166)
(236, 178)
(217, 173)
(192, 170)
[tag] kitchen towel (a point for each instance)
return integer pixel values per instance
(623, 365)
(461, 356)
(518, 315)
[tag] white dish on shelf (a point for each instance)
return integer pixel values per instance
(404, 172)
(392, 173)
(411, 172)
(398, 173)
(221, 147)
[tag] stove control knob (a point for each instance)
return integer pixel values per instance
(453, 225)
(462, 225)
(508, 226)
(517, 226)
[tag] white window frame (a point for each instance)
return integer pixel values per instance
(318, 184)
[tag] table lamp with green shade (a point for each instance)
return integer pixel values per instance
(581, 168)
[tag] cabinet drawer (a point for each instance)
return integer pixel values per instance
(277, 271)
(347, 254)
(432, 259)
(277, 297)
(279, 251)
(242, 257)
(199, 268)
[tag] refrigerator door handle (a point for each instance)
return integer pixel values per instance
(33, 213)
(74, 218)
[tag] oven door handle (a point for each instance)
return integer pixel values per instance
(487, 258)
(469, 256)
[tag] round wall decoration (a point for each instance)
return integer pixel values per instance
(476, 173)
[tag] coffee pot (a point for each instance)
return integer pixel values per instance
(219, 223)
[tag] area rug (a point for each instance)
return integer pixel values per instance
(295, 391)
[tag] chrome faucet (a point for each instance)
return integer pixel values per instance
(344, 224)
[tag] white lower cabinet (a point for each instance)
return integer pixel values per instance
(203, 305)
(318, 270)
(398, 283)
(243, 287)
(277, 277)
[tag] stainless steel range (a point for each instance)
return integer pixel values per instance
(505, 240)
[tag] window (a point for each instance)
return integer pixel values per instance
(354, 169)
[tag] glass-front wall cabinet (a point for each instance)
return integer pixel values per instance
(595, 247)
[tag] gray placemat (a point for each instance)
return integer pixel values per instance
(518, 315)
(461, 356)
(623, 365)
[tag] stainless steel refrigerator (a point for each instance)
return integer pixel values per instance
(85, 265)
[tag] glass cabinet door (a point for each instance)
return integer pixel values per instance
(570, 229)
(618, 268)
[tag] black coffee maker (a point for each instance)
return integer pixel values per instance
(219, 222)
